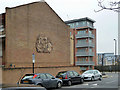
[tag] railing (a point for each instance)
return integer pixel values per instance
(85, 54)
(84, 35)
(2, 33)
(85, 44)
(85, 63)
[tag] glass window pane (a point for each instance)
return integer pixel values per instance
(75, 73)
(49, 76)
(42, 76)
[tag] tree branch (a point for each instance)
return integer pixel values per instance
(112, 6)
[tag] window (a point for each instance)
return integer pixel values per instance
(72, 25)
(84, 23)
(90, 41)
(81, 24)
(81, 50)
(81, 32)
(81, 41)
(42, 76)
(90, 32)
(75, 73)
(71, 74)
(70, 33)
(89, 24)
(90, 49)
(77, 24)
(90, 58)
(95, 72)
(81, 59)
(49, 76)
(36, 76)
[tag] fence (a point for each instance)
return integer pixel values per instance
(108, 68)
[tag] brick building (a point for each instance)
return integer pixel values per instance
(83, 41)
(37, 29)
(34, 28)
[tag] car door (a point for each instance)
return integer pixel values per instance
(71, 76)
(52, 82)
(96, 74)
(44, 80)
(77, 77)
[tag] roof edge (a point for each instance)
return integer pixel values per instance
(81, 19)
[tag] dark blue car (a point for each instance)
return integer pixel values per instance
(70, 77)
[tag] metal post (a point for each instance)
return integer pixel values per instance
(33, 59)
(33, 68)
(115, 54)
(102, 62)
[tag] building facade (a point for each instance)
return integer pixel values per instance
(33, 28)
(108, 58)
(83, 39)
(2, 36)
(37, 29)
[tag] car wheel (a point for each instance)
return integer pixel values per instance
(92, 79)
(81, 80)
(39, 84)
(69, 83)
(59, 85)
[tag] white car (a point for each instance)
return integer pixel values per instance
(92, 75)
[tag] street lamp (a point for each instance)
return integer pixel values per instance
(115, 52)
(33, 60)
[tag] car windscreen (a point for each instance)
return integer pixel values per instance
(61, 73)
(28, 76)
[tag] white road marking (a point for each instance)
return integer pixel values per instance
(85, 84)
(95, 84)
(92, 87)
(110, 82)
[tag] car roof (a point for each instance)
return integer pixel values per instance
(92, 70)
(36, 73)
(65, 71)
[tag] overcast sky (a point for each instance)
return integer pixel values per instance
(106, 21)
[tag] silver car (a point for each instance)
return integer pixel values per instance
(92, 75)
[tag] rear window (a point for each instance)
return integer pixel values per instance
(28, 76)
(61, 73)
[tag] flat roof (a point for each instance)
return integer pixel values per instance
(81, 19)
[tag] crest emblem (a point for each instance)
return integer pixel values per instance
(43, 44)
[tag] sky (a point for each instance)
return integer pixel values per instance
(106, 21)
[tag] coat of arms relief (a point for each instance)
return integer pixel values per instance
(43, 44)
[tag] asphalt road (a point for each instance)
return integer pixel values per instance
(109, 83)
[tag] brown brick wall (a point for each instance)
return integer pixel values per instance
(24, 24)
(15, 74)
